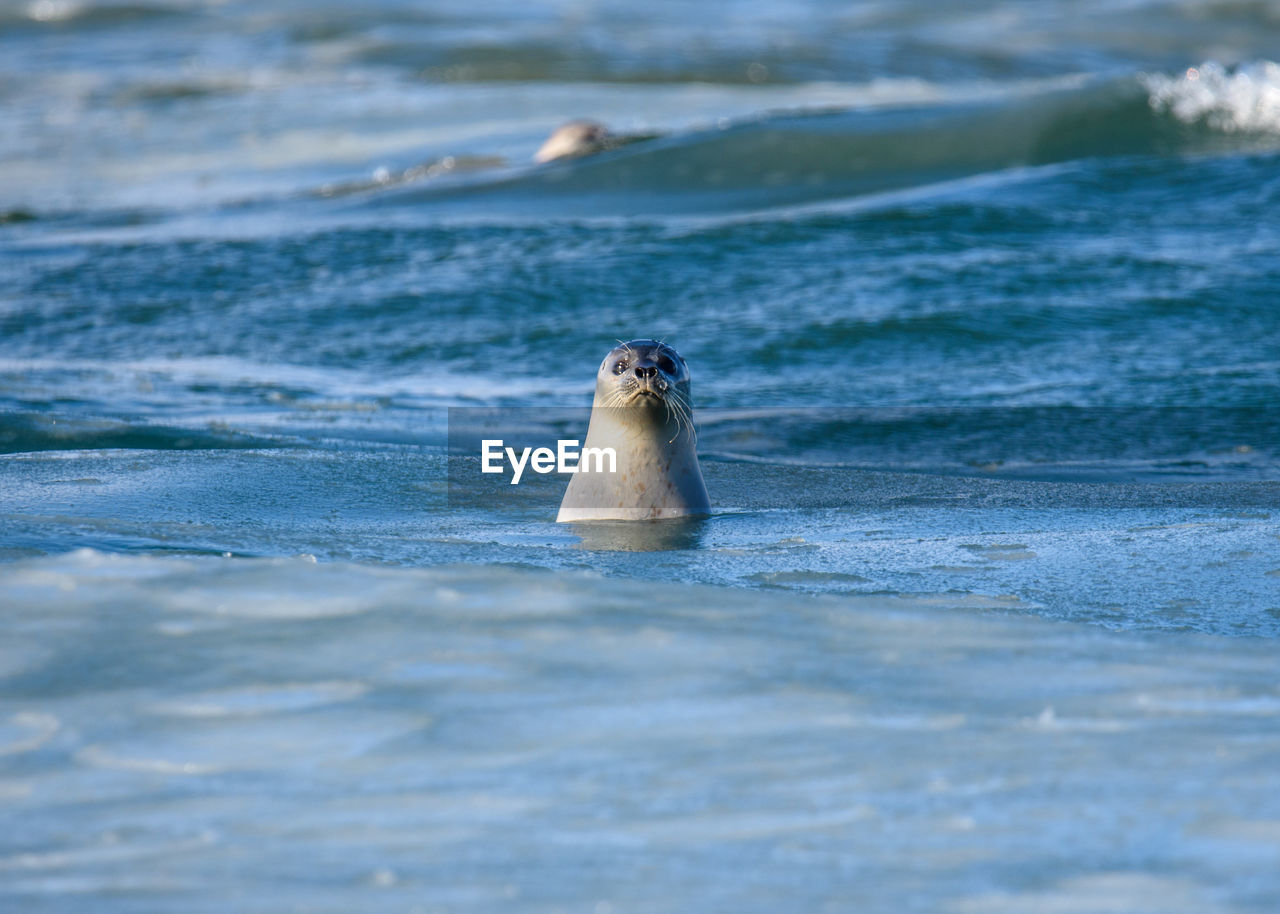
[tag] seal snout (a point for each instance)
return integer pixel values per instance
(649, 380)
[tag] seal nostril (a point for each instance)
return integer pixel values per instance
(645, 371)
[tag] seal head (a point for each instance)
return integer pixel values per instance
(644, 373)
(574, 139)
(643, 411)
(578, 139)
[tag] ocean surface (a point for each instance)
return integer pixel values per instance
(982, 307)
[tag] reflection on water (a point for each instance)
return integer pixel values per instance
(669, 534)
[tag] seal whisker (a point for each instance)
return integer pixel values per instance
(674, 406)
(688, 419)
(686, 413)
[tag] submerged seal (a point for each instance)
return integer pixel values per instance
(583, 138)
(576, 138)
(642, 411)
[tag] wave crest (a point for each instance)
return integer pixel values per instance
(1244, 99)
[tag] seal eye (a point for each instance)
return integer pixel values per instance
(620, 366)
(668, 366)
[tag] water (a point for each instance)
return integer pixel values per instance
(979, 302)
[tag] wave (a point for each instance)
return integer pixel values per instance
(798, 157)
(29, 432)
(1048, 442)
(63, 13)
(831, 143)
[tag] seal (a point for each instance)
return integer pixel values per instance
(643, 411)
(574, 139)
(577, 139)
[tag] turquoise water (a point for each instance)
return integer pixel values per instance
(980, 302)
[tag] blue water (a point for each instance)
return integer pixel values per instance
(980, 302)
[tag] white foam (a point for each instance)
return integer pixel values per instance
(26, 731)
(1102, 892)
(53, 10)
(198, 748)
(1245, 99)
(429, 388)
(264, 698)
